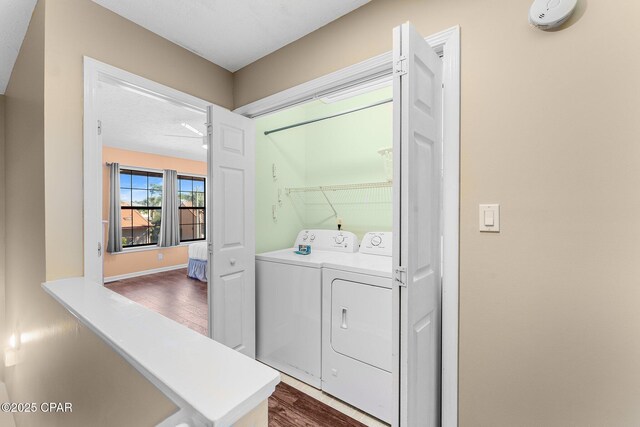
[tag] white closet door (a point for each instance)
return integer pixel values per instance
(417, 146)
(231, 233)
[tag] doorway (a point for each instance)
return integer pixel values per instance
(205, 183)
(153, 157)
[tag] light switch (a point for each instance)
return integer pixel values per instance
(490, 218)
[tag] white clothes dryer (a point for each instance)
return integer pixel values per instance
(356, 326)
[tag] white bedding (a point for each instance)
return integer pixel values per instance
(198, 250)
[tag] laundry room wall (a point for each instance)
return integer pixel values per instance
(344, 150)
(341, 150)
(2, 226)
(550, 131)
(286, 152)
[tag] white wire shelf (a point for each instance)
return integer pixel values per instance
(341, 187)
(333, 189)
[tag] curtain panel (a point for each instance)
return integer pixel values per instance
(170, 222)
(114, 236)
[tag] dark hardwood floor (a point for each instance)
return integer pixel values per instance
(289, 407)
(171, 294)
(184, 300)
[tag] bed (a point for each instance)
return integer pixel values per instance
(197, 267)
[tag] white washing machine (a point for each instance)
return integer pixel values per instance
(356, 327)
(289, 303)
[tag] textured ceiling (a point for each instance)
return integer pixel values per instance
(231, 34)
(137, 122)
(14, 20)
(234, 33)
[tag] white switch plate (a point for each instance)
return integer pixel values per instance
(489, 219)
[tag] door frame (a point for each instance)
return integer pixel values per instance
(95, 72)
(447, 44)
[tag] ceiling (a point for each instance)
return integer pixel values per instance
(137, 121)
(231, 34)
(14, 21)
(234, 33)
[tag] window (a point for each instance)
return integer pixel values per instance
(141, 207)
(192, 208)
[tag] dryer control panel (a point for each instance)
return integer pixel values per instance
(377, 243)
(328, 240)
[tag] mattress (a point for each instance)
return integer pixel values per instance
(198, 251)
(197, 269)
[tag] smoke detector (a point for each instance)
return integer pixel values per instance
(548, 14)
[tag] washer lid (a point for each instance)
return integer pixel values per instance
(288, 256)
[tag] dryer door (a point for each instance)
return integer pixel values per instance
(361, 322)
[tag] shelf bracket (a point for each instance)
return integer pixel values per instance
(335, 214)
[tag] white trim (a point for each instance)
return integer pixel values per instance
(315, 89)
(143, 273)
(94, 72)
(353, 75)
(447, 44)
(451, 226)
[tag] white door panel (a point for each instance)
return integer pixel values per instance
(417, 222)
(231, 229)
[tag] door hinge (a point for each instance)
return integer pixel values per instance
(99, 127)
(401, 276)
(209, 129)
(400, 66)
(99, 249)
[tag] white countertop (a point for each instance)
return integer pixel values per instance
(216, 384)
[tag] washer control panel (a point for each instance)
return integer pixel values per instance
(328, 240)
(377, 243)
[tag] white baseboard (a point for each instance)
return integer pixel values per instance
(143, 273)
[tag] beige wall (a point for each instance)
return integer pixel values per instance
(24, 161)
(132, 262)
(2, 228)
(60, 360)
(81, 27)
(550, 306)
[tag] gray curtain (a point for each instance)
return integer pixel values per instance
(169, 224)
(114, 238)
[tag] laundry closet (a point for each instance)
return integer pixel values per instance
(324, 174)
(352, 150)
